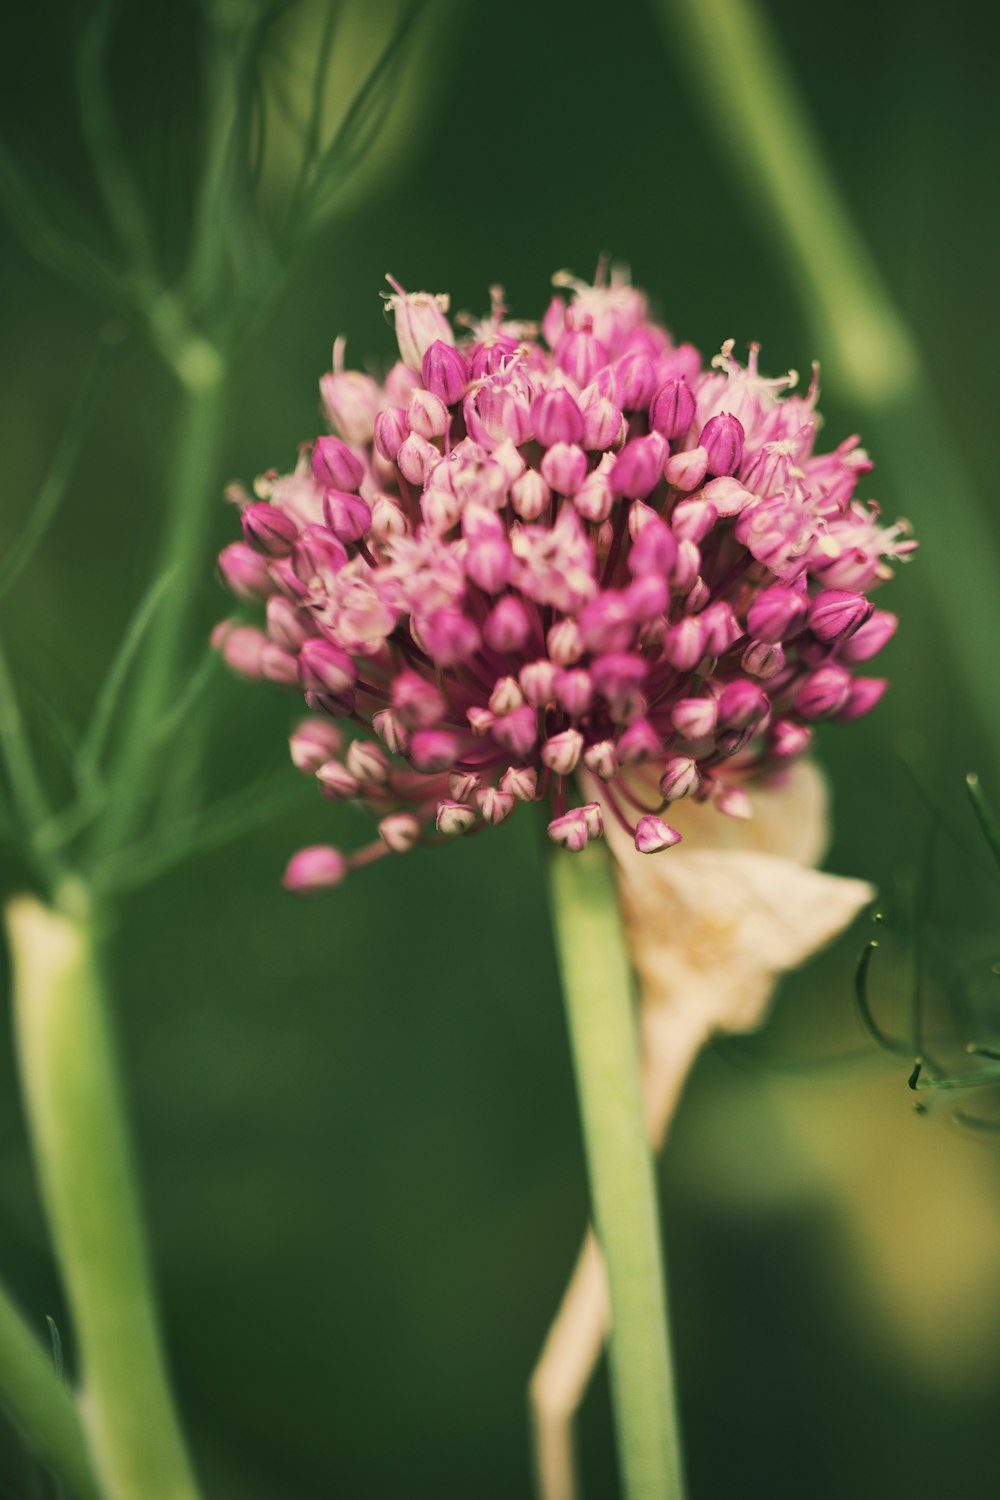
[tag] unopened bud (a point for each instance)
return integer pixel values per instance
(334, 466)
(268, 530)
(453, 818)
(400, 831)
(445, 372)
(652, 835)
(722, 439)
(317, 868)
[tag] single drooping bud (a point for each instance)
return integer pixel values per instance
(334, 466)
(314, 869)
(427, 415)
(445, 372)
(269, 530)
(722, 439)
(685, 471)
(652, 835)
(337, 782)
(762, 659)
(367, 761)
(672, 409)
(521, 782)
(556, 418)
(570, 830)
(348, 516)
(603, 425)
(601, 759)
(352, 402)
(494, 805)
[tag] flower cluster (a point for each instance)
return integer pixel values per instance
(537, 558)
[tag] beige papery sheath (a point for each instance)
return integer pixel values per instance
(711, 924)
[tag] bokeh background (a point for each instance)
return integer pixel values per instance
(356, 1120)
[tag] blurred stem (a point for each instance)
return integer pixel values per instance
(744, 83)
(183, 556)
(598, 995)
(40, 1405)
(80, 1142)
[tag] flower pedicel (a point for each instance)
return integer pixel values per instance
(537, 552)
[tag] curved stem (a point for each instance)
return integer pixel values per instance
(80, 1142)
(597, 990)
(40, 1405)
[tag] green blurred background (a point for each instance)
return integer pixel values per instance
(356, 1118)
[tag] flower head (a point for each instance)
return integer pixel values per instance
(534, 555)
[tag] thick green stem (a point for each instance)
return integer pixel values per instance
(76, 1118)
(40, 1405)
(599, 1007)
(184, 555)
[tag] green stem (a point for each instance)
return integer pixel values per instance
(598, 994)
(183, 555)
(80, 1142)
(41, 1406)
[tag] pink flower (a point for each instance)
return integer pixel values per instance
(531, 556)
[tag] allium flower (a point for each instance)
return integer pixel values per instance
(540, 556)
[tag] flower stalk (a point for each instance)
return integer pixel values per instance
(598, 995)
(84, 1161)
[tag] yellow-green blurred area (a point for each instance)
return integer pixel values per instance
(355, 1117)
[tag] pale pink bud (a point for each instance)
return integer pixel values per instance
(695, 718)
(387, 519)
(317, 868)
(638, 744)
(574, 691)
(727, 495)
(640, 515)
(416, 700)
(734, 802)
(692, 520)
(868, 640)
(337, 781)
(742, 705)
(244, 571)
(427, 415)
(286, 625)
(835, 614)
(671, 410)
(646, 597)
(635, 382)
(416, 458)
(722, 439)
(824, 693)
(594, 500)
(763, 659)
(721, 627)
(777, 613)
(556, 418)
(680, 777)
(391, 432)
(507, 626)
(312, 742)
(367, 761)
(684, 643)
(564, 468)
(352, 401)
(348, 516)
(400, 383)
(420, 322)
(440, 509)
(581, 355)
(654, 550)
(445, 372)
(564, 643)
(449, 637)
(517, 731)
(317, 553)
(389, 728)
(509, 461)
(453, 818)
(603, 425)
(324, 668)
(462, 784)
(562, 752)
(489, 563)
(788, 740)
(697, 597)
(864, 694)
(279, 664)
(334, 466)
(240, 646)
(537, 679)
(570, 830)
(495, 805)
(685, 471)
(521, 782)
(639, 466)
(400, 831)
(618, 676)
(652, 835)
(481, 721)
(433, 749)
(530, 495)
(506, 696)
(593, 819)
(268, 530)
(601, 760)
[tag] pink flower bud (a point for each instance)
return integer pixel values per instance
(618, 676)
(562, 752)
(481, 721)
(639, 466)
(241, 647)
(684, 644)
(433, 750)
(352, 401)
(692, 520)
(530, 495)
(687, 567)
(391, 432)
(672, 408)
(722, 439)
(864, 694)
(638, 744)
(420, 322)
(286, 625)
(445, 372)
(788, 740)
(564, 643)
(601, 760)
(337, 782)
(489, 563)
(268, 530)
(654, 551)
(652, 835)
(337, 705)
(777, 613)
(762, 659)
(416, 458)
(581, 355)
(593, 819)
(334, 466)
(317, 554)
(506, 696)
(564, 468)
(517, 731)
(574, 691)
(449, 637)
(695, 718)
(824, 693)
(312, 742)
(570, 830)
(400, 831)
(507, 626)
(279, 665)
(348, 516)
(685, 471)
(734, 802)
(494, 805)
(317, 868)
(722, 629)
(607, 623)
(594, 500)
(727, 495)
(453, 818)
(537, 679)
(680, 777)
(440, 509)
(556, 418)
(521, 782)
(389, 728)
(742, 705)
(287, 581)
(635, 381)
(868, 640)
(324, 668)
(603, 425)
(387, 519)
(244, 571)
(836, 614)
(367, 761)
(427, 415)
(416, 700)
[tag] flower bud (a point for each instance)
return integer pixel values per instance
(680, 777)
(286, 625)
(836, 614)
(734, 802)
(351, 400)
(538, 679)
(574, 691)
(672, 409)
(445, 372)
(433, 750)
(788, 740)
(594, 500)
(494, 805)
(521, 782)
(517, 731)
(348, 516)
(244, 571)
(638, 744)
(824, 693)
(727, 495)
(601, 760)
(448, 636)
(337, 782)
(684, 644)
(570, 830)
(581, 355)
(639, 466)
(337, 705)
(556, 418)
(416, 700)
(269, 530)
(742, 705)
(427, 415)
(868, 640)
(389, 728)
(506, 696)
(400, 831)
(279, 665)
(241, 647)
(722, 439)
(489, 563)
(416, 458)
(317, 868)
(530, 495)
(685, 471)
(762, 659)
(652, 835)
(564, 643)
(453, 818)
(312, 742)
(420, 323)
(334, 466)
(695, 718)
(777, 613)
(603, 425)
(507, 626)
(462, 784)
(635, 381)
(324, 668)
(391, 432)
(564, 468)
(562, 752)
(692, 520)
(864, 694)
(722, 630)
(367, 761)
